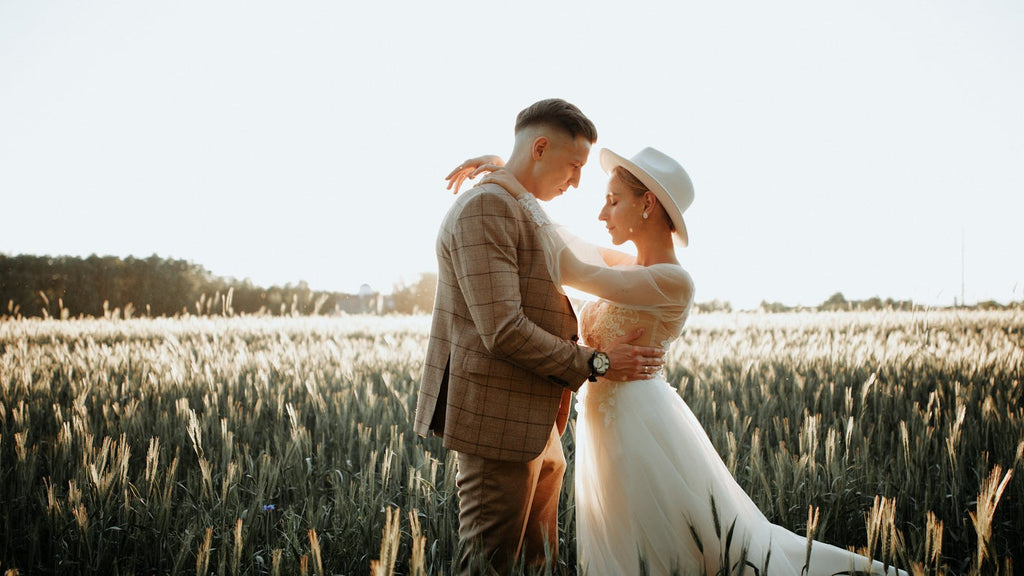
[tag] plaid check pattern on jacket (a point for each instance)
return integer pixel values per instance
(502, 360)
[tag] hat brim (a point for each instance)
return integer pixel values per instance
(610, 160)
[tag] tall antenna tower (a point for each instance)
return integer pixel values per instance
(963, 273)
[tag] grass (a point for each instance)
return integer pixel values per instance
(257, 445)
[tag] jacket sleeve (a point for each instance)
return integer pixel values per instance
(484, 254)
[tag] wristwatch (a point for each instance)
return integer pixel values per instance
(599, 365)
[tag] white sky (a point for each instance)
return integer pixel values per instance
(833, 146)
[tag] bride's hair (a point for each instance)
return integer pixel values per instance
(632, 182)
(638, 188)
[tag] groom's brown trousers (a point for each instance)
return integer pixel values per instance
(508, 509)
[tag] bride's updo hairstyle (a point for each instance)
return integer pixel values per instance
(634, 185)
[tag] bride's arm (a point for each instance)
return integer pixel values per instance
(641, 287)
(613, 257)
(634, 286)
(471, 169)
(511, 185)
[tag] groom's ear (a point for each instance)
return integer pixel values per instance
(540, 147)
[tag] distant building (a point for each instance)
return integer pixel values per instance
(367, 301)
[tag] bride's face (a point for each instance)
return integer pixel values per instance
(622, 213)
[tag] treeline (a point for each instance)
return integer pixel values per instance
(101, 286)
(98, 286)
(838, 302)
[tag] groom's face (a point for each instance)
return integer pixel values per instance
(558, 168)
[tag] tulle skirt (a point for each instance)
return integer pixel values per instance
(646, 474)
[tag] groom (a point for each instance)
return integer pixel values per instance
(502, 360)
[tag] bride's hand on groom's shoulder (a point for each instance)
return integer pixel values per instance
(471, 169)
(505, 179)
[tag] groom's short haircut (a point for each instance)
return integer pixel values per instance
(558, 114)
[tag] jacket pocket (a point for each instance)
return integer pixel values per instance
(490, 367)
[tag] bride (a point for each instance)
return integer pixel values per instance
(650, 488)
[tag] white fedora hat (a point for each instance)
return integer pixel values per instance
(663, 176)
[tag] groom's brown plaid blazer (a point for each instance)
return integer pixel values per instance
(502, 359)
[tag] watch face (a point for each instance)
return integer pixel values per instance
(601, 363)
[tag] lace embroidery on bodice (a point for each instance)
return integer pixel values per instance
(601, 322)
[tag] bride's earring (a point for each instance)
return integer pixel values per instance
(645, 214)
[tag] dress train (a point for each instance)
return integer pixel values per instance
(645, 475)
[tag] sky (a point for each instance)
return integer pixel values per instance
(872, 148)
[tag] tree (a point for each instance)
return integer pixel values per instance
(773, 307)
(835, 302)
(714, 306)
(416, 298)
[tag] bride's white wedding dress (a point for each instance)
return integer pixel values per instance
(646, 471)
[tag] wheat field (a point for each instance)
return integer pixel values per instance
(260, 445)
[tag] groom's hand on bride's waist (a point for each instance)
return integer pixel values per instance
(630, 362)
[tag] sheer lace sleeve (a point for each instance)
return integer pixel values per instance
(576, 263)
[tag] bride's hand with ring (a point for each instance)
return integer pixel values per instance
(505, 179)
(471, 169)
